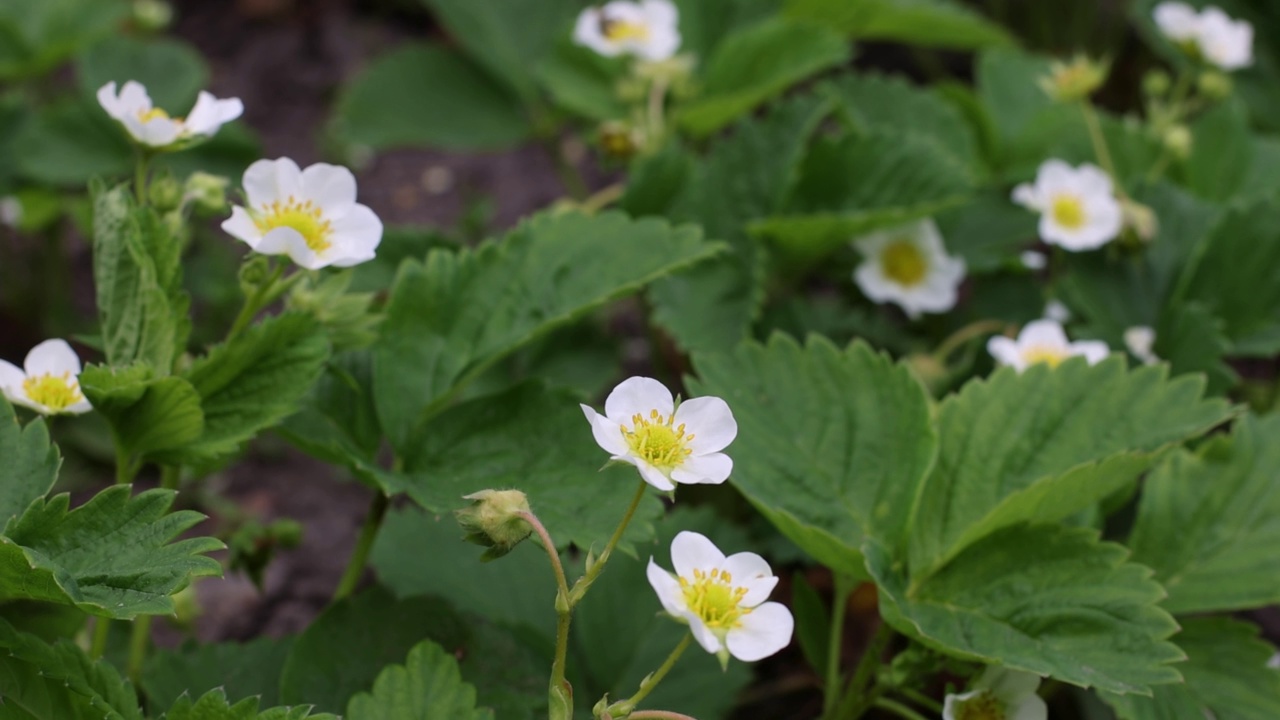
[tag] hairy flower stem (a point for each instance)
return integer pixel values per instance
(840, 603)
(560, 694)
(624, 708)
(360, 555)
(658, 715)
(1100, 144)
(140, 635)
(101, 632)
(920, 699)
(140, 176)
(860, 695)
(962, 336)
(897, 708)
(594, 569)
(657, 95)
(264, 295)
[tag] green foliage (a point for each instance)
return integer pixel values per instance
(431, 96)
(173, 72)
(484, 443)
(813, 622)
(832, 443)
(1209, 521)
(213, 705)
(584, 82)
(745, 177)
(427, 687)
(987, 232)
(936, 23)
(112, 556)
(1084, 432)
(758, 63)
(245, 670)
(453, 316)
(1226, 676)
(343, 651)
(1222, 153)
(337, 421)
(1042, 598)
(861, 183)
(39, 681)
(147, 414)
(70, 142)
(252, 382)
(40, 34)
(30, 462)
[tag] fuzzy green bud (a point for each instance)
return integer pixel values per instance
(207, 192)
(619, 140)
(1214, 85)
(152, 15)
(1140, 221)
(1075, 80)
(255, 272)
(494, 520)
(1177, 140)
(1156, 83)
(165, 193)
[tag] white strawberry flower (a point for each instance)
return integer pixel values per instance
(1043, 341)
(155, 128)
(648, 29)
(998, 694)
(1077, 206)
(1057, 311)
(909, 266)
(1210, 35)
(643, 426)
(48, 381)
(722, 599)
(310, 215)
(1141, 341)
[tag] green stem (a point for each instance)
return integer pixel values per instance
(253, 304)
(624, 708)
(360, 556)
(101, 633)
(964, 335)
(658, 715)
(657, 94)
(139, 639)
(920, 699)
(126, 468)
(140, 177)
(593, 570)
(602, 198)
(897, 708)
(859, 695)
(564, 616)
(840, 604)
(169, 476)
(1099, 141)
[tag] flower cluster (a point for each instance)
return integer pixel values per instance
(155, 128)
(1209, 35)
(648, 29)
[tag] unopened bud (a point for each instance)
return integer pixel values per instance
(1214, 85)
(1075, 80)
(152, 15)
(1177, 140)
(619, 140)
(165, 193)
(255, 271)
(494, 520)
(207, 192)
(1156, 83)
(1139, 220)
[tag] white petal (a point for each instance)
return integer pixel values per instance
(11, 379)
(651, 474)
(156, 132)
(1027, 196)
(1056, 311)
(52, 357)
(710, 469)
(332, 187)
(638, 395)
(1043, 332)
(267, 181)
(693, 551)
(663, 42)
(661, 14)
(954, 702)
(356, 236)
(710, 421)
(606, 432)
(587, 32)
(752, 572)
(287, 241)
(210, 113)
(133, 99)
(109, 101)
(1053, 175)
(667, 588)
(78, 408)
(1034, 260)
(763, 632)
(242, 227)
(1177, 20)
(701, 632)
(1005, 351)
(1095, 351)
(1028, 707)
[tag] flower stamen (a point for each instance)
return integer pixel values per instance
(56, 392)
(1068, 211)
(984, 706)
(656, 441)
(621, 30)
(903, 262)
(307, 219)
(712, 597)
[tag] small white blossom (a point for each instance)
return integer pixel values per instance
(48, 381)
(1034, 260)
(1056, 311)
(722, 599)
(642, 426)
(1077, 206)
(1140, 340)
(310, 215)
(909, 266)
(1043, 341)
(155, 128)
(648, 29)
(998, 694)
(10, 211)
(1210, 35)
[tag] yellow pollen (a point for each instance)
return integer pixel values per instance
(655, 440)
(1046, 354)
(305, 217)
(153, 114)
(621, 30)
(56, 392)
(983, 706)
(1068, 211)
(712, 597)
(903, 263)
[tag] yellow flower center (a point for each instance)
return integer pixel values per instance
(305, 217)
(147, 116)
(903, 263)
(1068, 211)
(1046, 354)
(621, 30)
(712, 597)
(56, 392)
(983, 706)
(655, 440)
